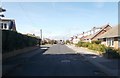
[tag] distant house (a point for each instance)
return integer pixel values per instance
(75, 40)
(7, 24)
(95, 35)
(111, 38)
(71, 39)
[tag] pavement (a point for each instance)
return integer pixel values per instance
(109, 66)
(58, 60)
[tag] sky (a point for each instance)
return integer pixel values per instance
(60, 20)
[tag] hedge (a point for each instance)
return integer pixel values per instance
(102, 49)
(96, 47)
(12, 40)
(96, 42)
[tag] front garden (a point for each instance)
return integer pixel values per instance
(107, 52)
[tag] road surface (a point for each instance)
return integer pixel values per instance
(59, 60)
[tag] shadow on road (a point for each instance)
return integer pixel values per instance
(56, 65)
(12, 62)
(58, 60)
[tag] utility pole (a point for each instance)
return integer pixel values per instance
(41, 35)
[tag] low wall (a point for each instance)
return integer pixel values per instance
(17, 52)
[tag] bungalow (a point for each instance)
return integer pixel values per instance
(95, 35)
(7, 24)
(111, 38)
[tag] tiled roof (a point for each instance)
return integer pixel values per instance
(113, 32)
(93, 35)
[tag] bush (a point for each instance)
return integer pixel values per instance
(67, 41)
(111, 53)
(97, 47)
(86, 44)
(96, 42)
(79, 44)
(118, 50)
(12, 40)
(105, 51)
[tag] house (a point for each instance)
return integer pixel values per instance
(75, 40)
(111, 38)
(7, 24)
(94, 36)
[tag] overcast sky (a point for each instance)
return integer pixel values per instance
(60, 20)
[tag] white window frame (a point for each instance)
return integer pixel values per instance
(110, 42)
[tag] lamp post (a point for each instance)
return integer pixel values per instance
(41, 36)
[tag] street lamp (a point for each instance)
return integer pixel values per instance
(41, 35)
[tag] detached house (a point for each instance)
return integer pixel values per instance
(95, 35)
(7, 24)
(111, 38)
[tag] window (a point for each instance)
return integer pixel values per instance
(1, 25)
(110, 42)
(104, 39)
(119, 41)
(5, 26)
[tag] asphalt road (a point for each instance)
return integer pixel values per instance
(59, 60)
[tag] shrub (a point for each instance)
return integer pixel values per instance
(67, 41)
(111, 53)
(79, 44)
(85, 44)
(105, 51)
(118, 50)
(102, 48)
(96, 47)
(96, 42)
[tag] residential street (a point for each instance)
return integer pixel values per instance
(58, 60)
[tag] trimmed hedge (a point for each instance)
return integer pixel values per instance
(12, 40)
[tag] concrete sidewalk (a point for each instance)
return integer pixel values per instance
(109, 66)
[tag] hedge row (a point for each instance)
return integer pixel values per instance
(96, 47)
(102, 49)
(12, 40)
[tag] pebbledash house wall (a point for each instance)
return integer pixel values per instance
(116, 45)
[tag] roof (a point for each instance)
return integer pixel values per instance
(83, 37)
(7, 19)
(93, 35)
(113, 32)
